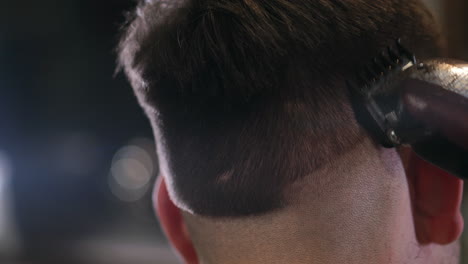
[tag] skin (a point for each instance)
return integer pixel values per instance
(386, 207)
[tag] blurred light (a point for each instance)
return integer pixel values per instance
(5, 170)
(130, 173)
(9, 245)
(132, 169)
(137, 153)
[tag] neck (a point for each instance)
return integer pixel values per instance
(365, 217)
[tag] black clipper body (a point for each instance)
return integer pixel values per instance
(402, 101)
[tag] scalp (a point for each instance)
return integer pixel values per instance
(248, 96)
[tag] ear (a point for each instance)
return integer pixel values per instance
(436, 197)
(172, 223)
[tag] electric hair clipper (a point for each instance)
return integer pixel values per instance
(424, 104)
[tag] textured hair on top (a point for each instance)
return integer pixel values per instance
(248, 96)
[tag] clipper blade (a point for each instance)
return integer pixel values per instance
(394, 58)
(373, 96)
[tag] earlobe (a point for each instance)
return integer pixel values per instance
(172, 223)
(436, 197)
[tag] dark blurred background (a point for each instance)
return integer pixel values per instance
(77, 157)
(76, 153)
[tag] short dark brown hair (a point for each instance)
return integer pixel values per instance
(247, 96)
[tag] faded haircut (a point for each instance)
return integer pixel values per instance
(248, 96)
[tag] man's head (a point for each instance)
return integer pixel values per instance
(256, 138)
